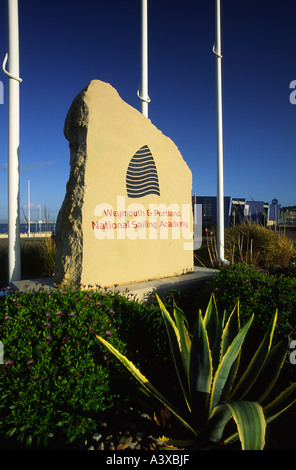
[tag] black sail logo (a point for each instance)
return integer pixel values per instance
(141, 175)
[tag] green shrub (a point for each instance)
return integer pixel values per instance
(31, 261)
(47, 251)
(37, 258)
(54, 380)
(259, 293)
(251, 244)
(3, 262)
(258, 245)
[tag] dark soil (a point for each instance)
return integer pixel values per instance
(138, 430)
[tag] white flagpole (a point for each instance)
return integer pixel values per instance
(14, 252)
(144, 84)
(29, 211)
(220, 178)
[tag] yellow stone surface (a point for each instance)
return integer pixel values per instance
(104, 235)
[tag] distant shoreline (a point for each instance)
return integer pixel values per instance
(36, 229)
(32, 235)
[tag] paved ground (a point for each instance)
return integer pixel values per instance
(142, 290)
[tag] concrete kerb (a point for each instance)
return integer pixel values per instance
(143, 291)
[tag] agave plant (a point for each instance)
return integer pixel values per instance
(217, 394)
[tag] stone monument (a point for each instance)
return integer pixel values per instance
(127, 214)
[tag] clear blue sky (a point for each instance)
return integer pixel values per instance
(64, 44)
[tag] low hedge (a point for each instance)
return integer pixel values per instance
(37, 258)
(257, 245)
(55, 379)
(259, 292)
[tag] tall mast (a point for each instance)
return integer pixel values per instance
(29, 210)
(220, 177)
(144, 97)
(14, 252)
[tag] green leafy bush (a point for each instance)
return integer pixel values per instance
(54, 380)
(259, 293)
(47, 251)
(37, 258)
(252, 244)
(258, 245)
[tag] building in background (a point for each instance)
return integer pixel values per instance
(238, 211)
(288, 215)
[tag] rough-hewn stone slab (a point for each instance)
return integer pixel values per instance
(127, 215)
